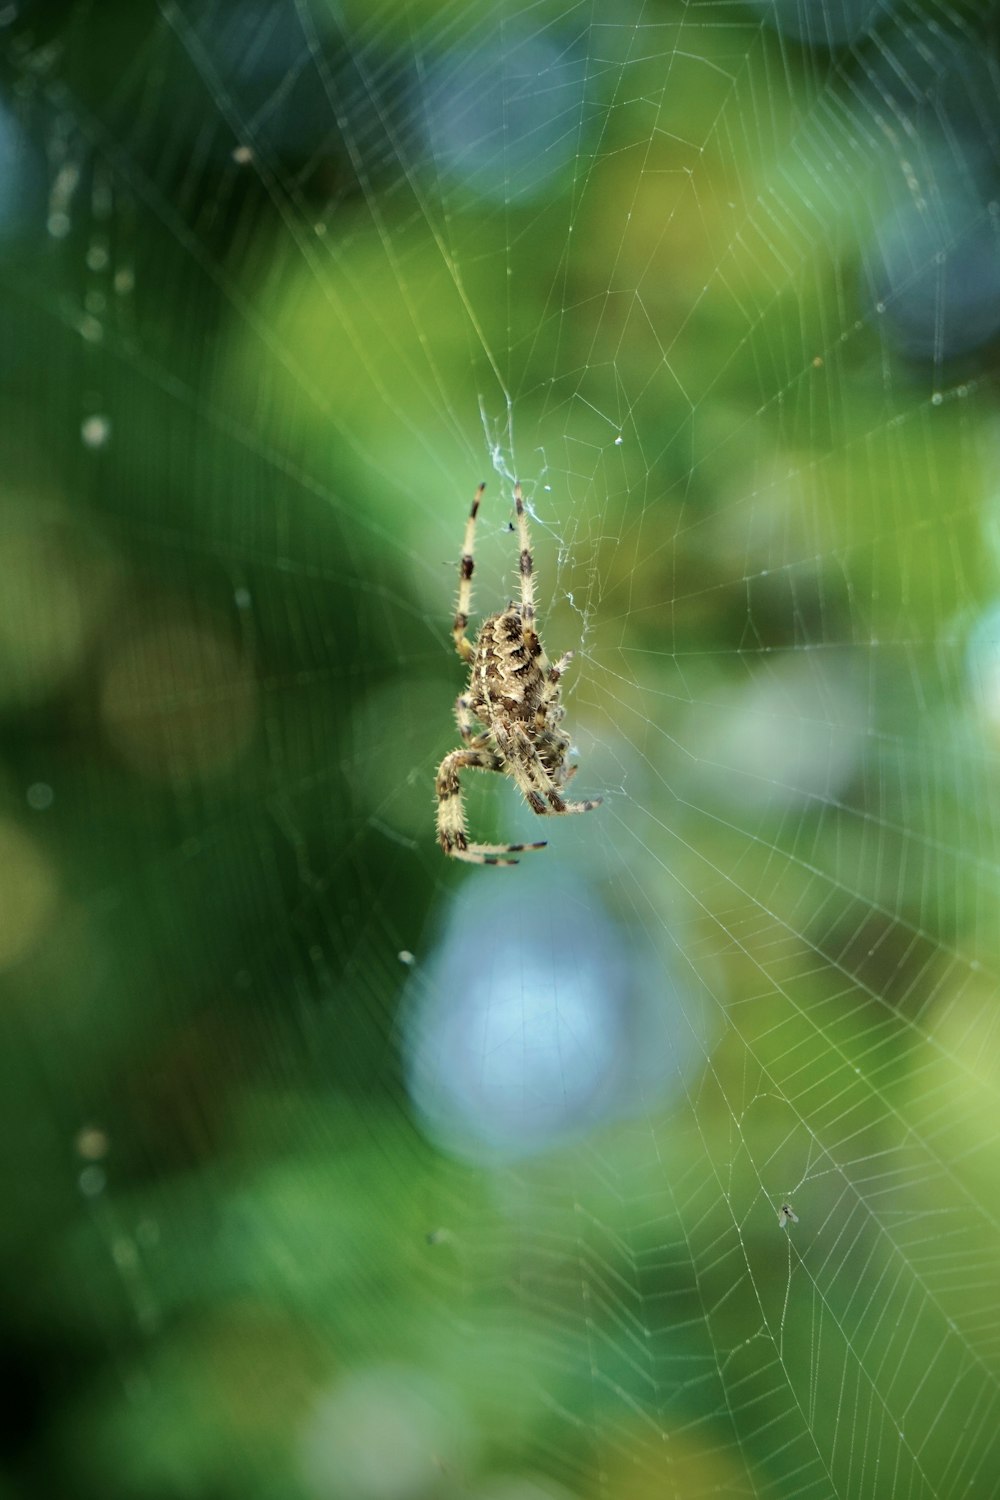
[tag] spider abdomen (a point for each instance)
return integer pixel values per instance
(506, 678)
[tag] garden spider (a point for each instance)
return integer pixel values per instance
(513, 693)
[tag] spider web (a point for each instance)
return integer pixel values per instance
(391, 1178)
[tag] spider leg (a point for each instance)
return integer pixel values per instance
(546, 714)
(463, 645)
(527, 570)
(451, 831)
(534, 780)
(465, 719)
(558, 668)
(554, 762)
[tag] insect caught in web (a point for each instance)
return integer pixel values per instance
(786, 1216)
(510, 715)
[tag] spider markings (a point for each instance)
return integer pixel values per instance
(513, 694)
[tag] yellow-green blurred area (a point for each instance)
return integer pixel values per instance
(664, 1164)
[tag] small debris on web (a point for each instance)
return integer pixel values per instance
(406, 957)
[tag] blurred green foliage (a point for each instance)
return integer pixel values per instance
(255, 355)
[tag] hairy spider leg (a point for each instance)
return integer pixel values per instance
(550, 690)
(527, 570)
(526, 755)
(534, 780)
(466, 721)
(549, 786)
(451, 817)
(546, 716)
(524, 766)
(466, 564)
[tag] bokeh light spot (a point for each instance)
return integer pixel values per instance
(177, 699)
(28, 892)
(383, 1434)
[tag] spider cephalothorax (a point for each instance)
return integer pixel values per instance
(509, 716)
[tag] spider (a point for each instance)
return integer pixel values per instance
(513, 693)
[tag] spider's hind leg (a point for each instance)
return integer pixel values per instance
(527, 571)
(463, 645)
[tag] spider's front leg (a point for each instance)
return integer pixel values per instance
(537, 784)
(465, 719)
(451, 830)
